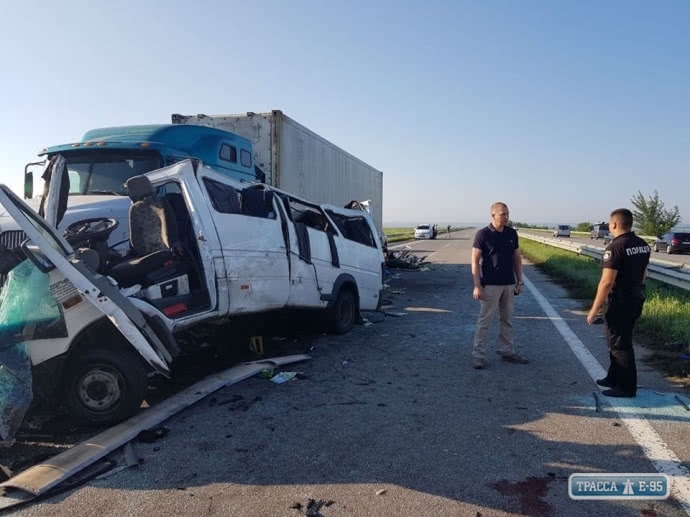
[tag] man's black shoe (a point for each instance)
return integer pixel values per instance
(618, 393)
(605, 383)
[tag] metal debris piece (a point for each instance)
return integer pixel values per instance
(403, 259)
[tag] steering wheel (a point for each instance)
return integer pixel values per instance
(97, 229)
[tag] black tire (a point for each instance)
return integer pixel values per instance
(668, 249)
(104, 385)
(344, 314)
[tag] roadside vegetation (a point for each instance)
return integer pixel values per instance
(665, 323)
(407, 234)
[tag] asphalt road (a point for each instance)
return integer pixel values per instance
(679, 259)
(393, 420)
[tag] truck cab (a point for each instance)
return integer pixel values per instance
(99, 165)
(106, 157)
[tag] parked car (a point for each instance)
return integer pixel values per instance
(425, 231)
(562, 230)
(599, 231)
(90, 325)
(673, 242)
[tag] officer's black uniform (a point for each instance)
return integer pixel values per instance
(629, 255)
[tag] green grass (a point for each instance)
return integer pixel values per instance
(407, 234)
(399, 234)
(665, 322)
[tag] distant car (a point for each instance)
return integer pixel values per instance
(424, 231)
(673, 242)
(562, 230)
(599, 231)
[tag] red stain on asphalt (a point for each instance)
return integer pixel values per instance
(531, 493)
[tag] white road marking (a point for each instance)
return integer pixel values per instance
(662, 457)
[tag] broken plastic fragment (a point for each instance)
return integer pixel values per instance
(283, 377)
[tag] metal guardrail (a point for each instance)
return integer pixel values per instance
(671, 273)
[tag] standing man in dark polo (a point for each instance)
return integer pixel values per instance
(497, 275)
(623, 274)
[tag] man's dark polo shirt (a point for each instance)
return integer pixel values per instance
(498, 254)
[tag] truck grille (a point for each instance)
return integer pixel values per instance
(11, 239)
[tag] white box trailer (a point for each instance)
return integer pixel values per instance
(299, 161)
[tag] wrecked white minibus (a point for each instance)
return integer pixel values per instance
(86, 326)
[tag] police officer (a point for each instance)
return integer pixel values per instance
(624, 271)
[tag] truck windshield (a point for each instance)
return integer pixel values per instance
(99, 171)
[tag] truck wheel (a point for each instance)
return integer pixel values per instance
(343, 313)
(104, 386)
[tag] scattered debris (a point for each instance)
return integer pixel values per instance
(283, 377)
(682, 402)
(232, 399)
(152, 435)
(244, 405)
(396, 314)
(403, 259)
(616, 424)
(381, 492)
(374, 317)
(313, 508)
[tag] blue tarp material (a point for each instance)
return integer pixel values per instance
(25, 300)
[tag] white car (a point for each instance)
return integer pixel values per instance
(562, 230)
(424, 231)
(88, 326)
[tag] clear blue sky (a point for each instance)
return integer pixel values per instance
(563, 110)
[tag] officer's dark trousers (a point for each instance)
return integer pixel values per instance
(620, 320)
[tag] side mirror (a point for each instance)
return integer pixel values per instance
(28, 185)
